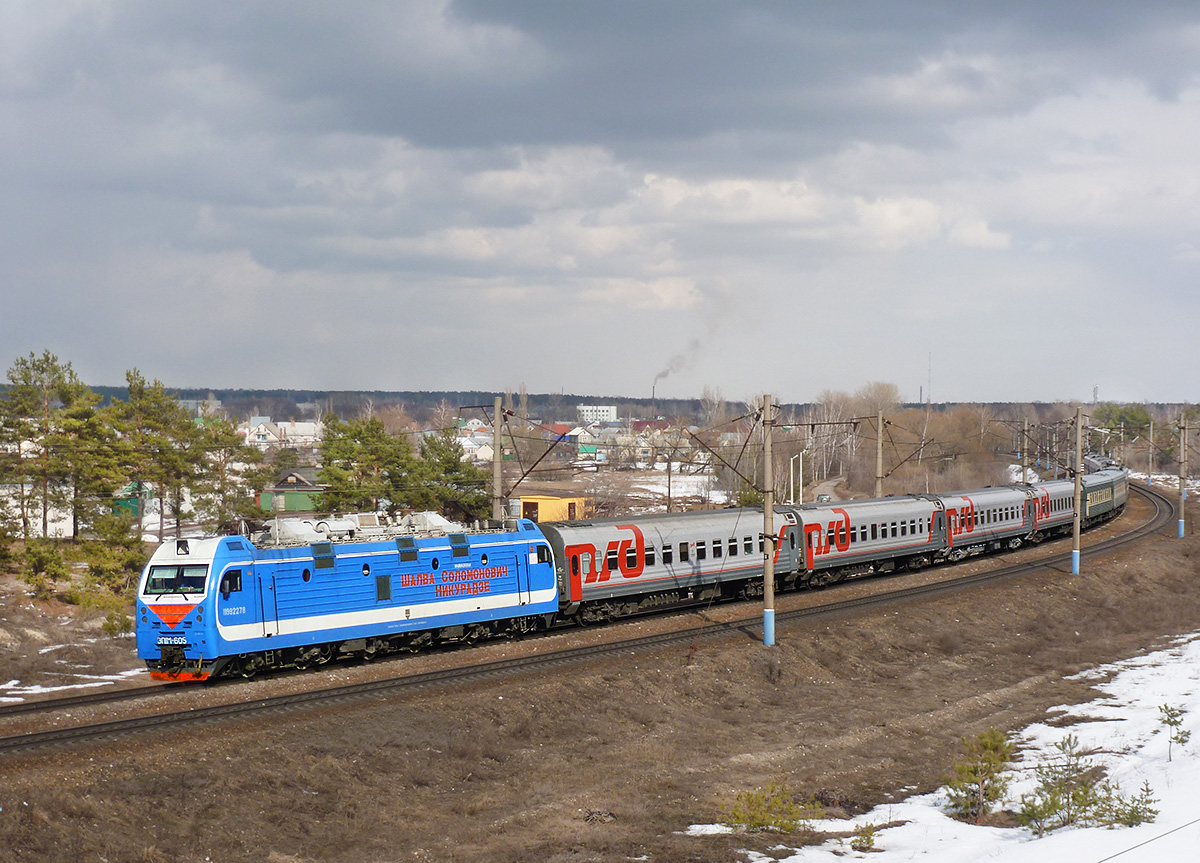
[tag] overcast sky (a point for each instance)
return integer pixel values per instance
(1001, 200)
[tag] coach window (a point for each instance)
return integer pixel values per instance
(874, 531)
(761, 544)
(666, 555)
(701, 550)
(649, 555)
(631, 558)
(904, 528)
(610, 561)
(732, 546)
(683, 552)
(748, 545)
(716, 547)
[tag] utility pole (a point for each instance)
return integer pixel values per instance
(1183, 468)
(1150, 457)
(1077, 522)
(879, 456)
(497, 467)
(1025, 450)
(768, 528)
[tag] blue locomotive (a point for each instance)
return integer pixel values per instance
(226, 606)
(223, 606)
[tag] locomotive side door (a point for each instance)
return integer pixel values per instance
(267, 606)
(521, 570)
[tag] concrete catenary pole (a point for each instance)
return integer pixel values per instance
(497, 467)
(1025, 450)
(879, 456)
(1183, 469)
(1150, 457)
(1077, 522)
(768, 528)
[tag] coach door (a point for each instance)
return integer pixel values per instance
(267, 605)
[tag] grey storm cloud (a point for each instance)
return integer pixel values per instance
(374, 195)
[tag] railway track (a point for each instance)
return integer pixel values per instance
(1164, 515)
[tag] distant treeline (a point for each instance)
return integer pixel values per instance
(293, 404)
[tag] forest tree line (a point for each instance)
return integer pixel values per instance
(66, 449)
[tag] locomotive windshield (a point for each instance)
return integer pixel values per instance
(176, 578)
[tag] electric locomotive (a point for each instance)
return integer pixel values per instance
(221, 606)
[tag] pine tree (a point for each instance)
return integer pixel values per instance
(458, 488)
(363, 467)
(979, 780)
(225, 488)
(160, 435)
(32, 408)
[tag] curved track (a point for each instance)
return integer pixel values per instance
(1164, 515)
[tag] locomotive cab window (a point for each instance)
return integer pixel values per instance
(231, 582)
(176, 578)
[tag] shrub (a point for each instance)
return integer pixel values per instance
(864, 838)
(1066, 793)
(1172, 717)
(771, 807)
(1070, 792)
(1115, 809)
(979, 781)
(44, 566)
(117, 623)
